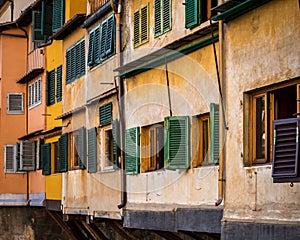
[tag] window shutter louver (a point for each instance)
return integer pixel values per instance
(177, 154)
(10, 158)
(191, 13)
(82, 57)
(58, 14)
(167, 15)
(68, 66)
(132, 151)
(105, 114)
(285, 149)
(144, 24)
(51, 87)
(47, 17)
(27, 155)
(82, 148)
(157, 18)
(162, 16)
(37, 35)
(90, 61)
(15, 103)
(63, 152)
(116, 142)
(59, 83)
(74, 63)
(77, 60)
(103, 38)
(97, 46)
(46, 161)
(38, 154)
(214, 133)
(92, 150)
(110, 35)
(136, 28)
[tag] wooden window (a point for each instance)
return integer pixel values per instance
(214, 133)
(15, 103)
(132, 150)
(162, 16)
(107, 147)
(105, 114)
(92, 150)
(156, 135)
(10, 158)
(75, 61)
(59, 83)
(58, 15)
(204, 139)
(37, 35)
(27, 155)
(35, 93)
(46, 155)
(78, 148)
(177, 155)
(141, 26)
(46, 18)
(266, 106)
(63, 152)
(54, 86)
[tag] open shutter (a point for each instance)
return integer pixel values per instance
(10, 159)
(162, 16)
(68, 66)
(82, 148)
(97, 46)
(27, 155)
(38, 153)
(285, 150)
(46, 162)
(63, 152)
(82, 57)
(47, 18)
(132, 151)
(177, 155)
(167, 15)
(157, 18)
(59, 83)
(58, 14)
(105, 114)
(90, 61)
(37, 35)
(116, 142)
(214, 133)
(104, 27)
(92, 150)
(51, 87)
(109, 48)
(191, 13)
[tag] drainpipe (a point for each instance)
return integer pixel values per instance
(120, 94)
(222, 165)
(11, 10)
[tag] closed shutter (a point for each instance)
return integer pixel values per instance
(105, 114)
(15, 103)
(82, 148)
(136, 28)
(59, 83)
(46, 159)
(58, 14)
(37, 35)
(191, 13)
(162, 16)
(144, 24)
(27, 155)
(68, 66)
(177, 155)
(51, 87)
(10, 158)
(92, 150)
(109, 47)
(103, 38)
(116, 142)
(97, 46)
(82, 57)
(214, 133)
(63, 152)
(132, 151)
(47, 18)
(90, 61)
(286, 149)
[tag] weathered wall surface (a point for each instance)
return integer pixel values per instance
(28, 224)
(262, 48)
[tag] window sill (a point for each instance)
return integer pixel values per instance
(34, 105)
(108, 170)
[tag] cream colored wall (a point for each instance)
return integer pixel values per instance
(19, 6)
(262, 48)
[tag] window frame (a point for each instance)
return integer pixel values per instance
(103, 147)
(35, 93)
(138, 42)
(203, 159)
(159, 24)
(8, 104)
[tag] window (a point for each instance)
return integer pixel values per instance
(57, 15)
(37, 35)
(27, 155)
(204, 138)
(63, 152)
(102, 41)
(10, 158)
(54, 85)
(15, 103)
(198, 11)
(141, 26)
(132, 150)
(78, 148)
(162, 16)
(35, 93)
(266, 106)
(177, 155)
(75, 61)
(46, 155)
(105, 114)
(56, 158)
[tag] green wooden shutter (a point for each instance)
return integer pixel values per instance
(97, 45)
(63, 152)
(177, 155)
(73, 62)
(51, 87)
(157, 18)
(68, 66)
(109, 48)
(82, 57)
(59, 83)
(90, 61)
(191, 13)
(162, 16)
(144, 24)
(103, 38)
(46, 161)
(132, 151)
(167, 15)
(37, 35)
(116, 142)
(58, 15)
(92, 150)
(105, 114)
(82, 148)
(136, 28)
(214, 133)
(47, 18)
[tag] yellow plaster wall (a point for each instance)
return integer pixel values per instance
(74, 7)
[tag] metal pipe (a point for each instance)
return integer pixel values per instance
(11, 10)
(168, 86)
